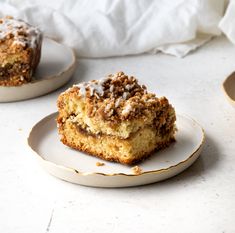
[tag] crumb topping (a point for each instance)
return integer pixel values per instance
(117, 97)
(22, 33)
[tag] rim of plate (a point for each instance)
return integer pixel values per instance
(71, 66)
(224, 89)
(116, 174)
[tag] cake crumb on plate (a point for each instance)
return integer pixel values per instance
(136, 170)
(99, 164)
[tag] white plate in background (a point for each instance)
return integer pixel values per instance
(56, 67)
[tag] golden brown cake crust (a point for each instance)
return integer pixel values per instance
(20, 51)
(127, 161)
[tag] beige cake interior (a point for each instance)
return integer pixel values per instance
(128, 151)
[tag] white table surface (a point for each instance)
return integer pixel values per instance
(201, 199)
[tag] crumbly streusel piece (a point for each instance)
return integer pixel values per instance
(20, 51)
(99, 164)
(136, 170)
(115, 118)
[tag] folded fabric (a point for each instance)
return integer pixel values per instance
(227, 24)
(105, 28)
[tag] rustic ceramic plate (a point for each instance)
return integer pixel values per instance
(55, 69)
(77, 167)
(229, 88)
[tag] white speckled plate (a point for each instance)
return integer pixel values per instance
(77, 167)
(55, 69)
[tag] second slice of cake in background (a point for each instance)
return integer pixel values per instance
(116, 119)
(20, 51)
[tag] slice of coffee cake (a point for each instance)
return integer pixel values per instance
(20, 51)
(115, 118)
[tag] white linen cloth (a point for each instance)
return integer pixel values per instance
(227, 24)
(102, 28)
